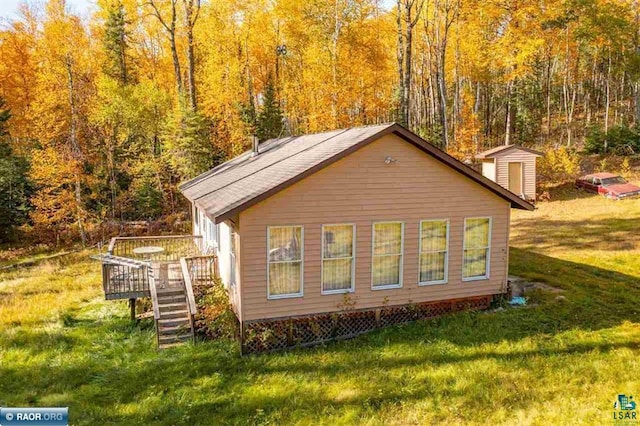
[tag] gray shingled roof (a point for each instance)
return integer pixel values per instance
(243, 181)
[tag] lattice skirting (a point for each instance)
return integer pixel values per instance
(274, 334)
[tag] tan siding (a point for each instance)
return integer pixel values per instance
(362, 189)
(528, 175)
(235, 292)
(489, 169)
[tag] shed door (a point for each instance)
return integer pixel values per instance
(515, 178)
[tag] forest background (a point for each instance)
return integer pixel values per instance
(101, 117)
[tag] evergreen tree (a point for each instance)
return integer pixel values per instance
(269, 122)
(115, 44)
(248, 115)
(187, 143)
(14, 185)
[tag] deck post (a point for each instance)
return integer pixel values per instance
(132, 307)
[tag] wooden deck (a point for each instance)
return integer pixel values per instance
(123, 280)
(167, 277)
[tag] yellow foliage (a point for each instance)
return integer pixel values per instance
(467, 133)
(558, 166)
(54, 203)
(625, 168)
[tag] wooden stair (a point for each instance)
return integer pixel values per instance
(175, 325)
(173, 305)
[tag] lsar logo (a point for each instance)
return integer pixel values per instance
(625, 411)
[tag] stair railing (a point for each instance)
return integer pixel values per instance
(154, 299)
(191, 300)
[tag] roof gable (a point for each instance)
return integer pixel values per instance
(499, 150)
(232, 187)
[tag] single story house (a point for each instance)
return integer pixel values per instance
(513, 167)
(371, 222)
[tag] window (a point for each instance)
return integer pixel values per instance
(202, 227)
(232, 257)
(284, 258)
(434, 255)
(218, 237)
(213, 238)
(338, 258)
(386, 266)
(477, 247)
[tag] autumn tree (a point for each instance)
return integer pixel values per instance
(63, 91)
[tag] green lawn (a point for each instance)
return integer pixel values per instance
(556, 362)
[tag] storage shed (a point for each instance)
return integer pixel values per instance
(512, 167)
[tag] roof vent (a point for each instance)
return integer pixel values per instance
(254, 142)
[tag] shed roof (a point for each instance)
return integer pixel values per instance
(490, 153)
(236, 185)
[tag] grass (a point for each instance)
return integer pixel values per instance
(555, 362)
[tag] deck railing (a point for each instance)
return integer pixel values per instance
(121, 281)
(201, 269)
(174, 247)
(123, 278)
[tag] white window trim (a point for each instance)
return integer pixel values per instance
(288, 295)
(233, 259)
(218, 230)
(464, 246)
(373, 231)
(446, 254)
(353, 262)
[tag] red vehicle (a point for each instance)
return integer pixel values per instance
(608, 184)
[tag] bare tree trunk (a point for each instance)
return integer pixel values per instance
(171, 32)
(455, 118)
(442, 95)
(476, 110)
(406, 74)
(112, 174)
(333, 51)
(400, 57)
(407, 61)
(507, 130)
(607, 99)
(445, 13)
(191, 12)
(636, 42)
(75, 149)
(548, 96)
(567, 91)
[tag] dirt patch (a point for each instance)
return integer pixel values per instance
(520, 286)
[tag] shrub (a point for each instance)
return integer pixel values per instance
(603, 166)
(625, 168)
(215, 318)
(621, 140)
(558, 166)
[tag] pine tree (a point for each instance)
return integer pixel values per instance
(269, 122)
(187, 143)
(115, 44)
(14, 185)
